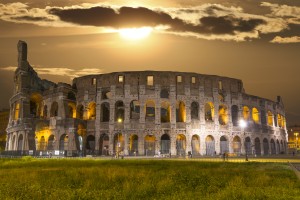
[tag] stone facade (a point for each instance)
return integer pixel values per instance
(141, 113)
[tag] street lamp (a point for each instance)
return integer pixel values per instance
(243, 125)
(296, 135)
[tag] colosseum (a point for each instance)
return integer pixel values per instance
(140, 113)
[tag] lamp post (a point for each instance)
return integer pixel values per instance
(296, 135)
(243, 125)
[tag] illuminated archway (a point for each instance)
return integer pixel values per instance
(210, 145)
(51, 141)
(71, 112)
(270, 118)
(223, 115)
(104, 144)
(180, 111)
(224, 145)
(149, 145)
(266, 146)
(236, 145)
(118, 143)
(209, 111)
(42, 133)
(255, 115)
(180, 145)
(165, 144)
(246, 113)
(91, 111)
(150, 109)
(195, 145)
(165, 112)
(35, 105)
(195, 110)
(133, 144)
(257, 146)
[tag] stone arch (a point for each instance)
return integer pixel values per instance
(246, 113)
(135, 109)
(164, 93)
(106, 94)
(13, 143)
(266, 146)
(224, 145)
(42, 133)
(118, 143)
(236, 145)
(180, 111)
(280, 120)
(235, 115)
(257, 146)
(54, 109)
(223, 115)
(195, 110)
(165, 144)
(248, 145)
(209, 111)
(273, 147)
(149, 145)
(63, 142)
(133, 144)
(92, 110)
(277, 147)
(80, 111)
(255, 115)
(180, 145)
(51, 142)
(81, 136)
(90, 144)
(104, 144)
(42, 143)
(282, 150)
(150, 109)
(45, 111)
(35, 105)
(119, 111)
(71, 112)
(20, 142)
(270, 118)
(263, 118)
(195, 145)
(165, 112)
(210, 145)
(105, 114)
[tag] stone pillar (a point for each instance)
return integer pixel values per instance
(126, 144)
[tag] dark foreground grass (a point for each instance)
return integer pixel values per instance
(145, 179)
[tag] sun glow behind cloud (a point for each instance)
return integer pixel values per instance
(135, 33)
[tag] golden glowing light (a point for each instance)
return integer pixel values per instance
(135, 33)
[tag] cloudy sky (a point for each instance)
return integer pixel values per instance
(256, 41)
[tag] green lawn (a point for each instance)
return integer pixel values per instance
(145, 179)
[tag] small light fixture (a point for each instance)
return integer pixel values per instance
(242, 123)
(120, 120)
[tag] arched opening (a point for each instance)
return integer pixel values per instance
(236, 146)
(119, 111)
(118, 143)
(35, 104)
(248, 146)
(195, 111)
(180, 112)
(165, 112)
(135, 109)
(51, 141)
(149, 145)
(280, 121)
(273, 148)
(224, 145)
(270, 118)
(54, 109)
(80, 111)
(165, 144)
(195, 145)
(133, 144)
(223, 115)
(150, 110)
(164, 93)
(104, 117)
(235, 115)
(246, 113)
(63, 142)
(71, 112)
(104, 145)
(90, 144)
(282, 149)
(92, 111)
(180, 145)
(277, 147)
(81, 136)
(42, 132)
(257, 146)
(210, 145)
(209, 111)
(266, 146)
(20, 143)
(255, 115)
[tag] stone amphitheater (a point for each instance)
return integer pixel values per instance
(141, 113)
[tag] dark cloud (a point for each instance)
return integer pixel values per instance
(30, 18)
(138, 17)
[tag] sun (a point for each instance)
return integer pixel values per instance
(135, 33)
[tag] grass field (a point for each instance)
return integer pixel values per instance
(144, 179)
